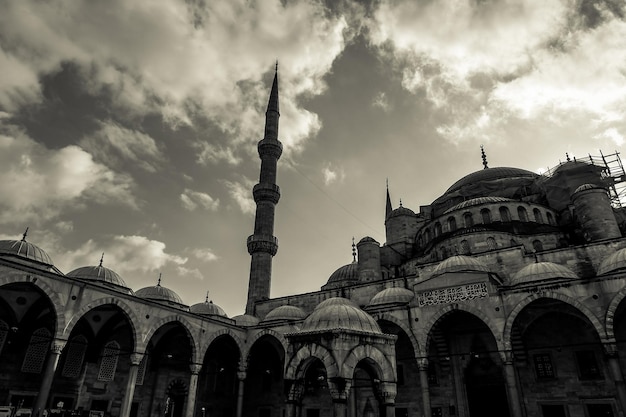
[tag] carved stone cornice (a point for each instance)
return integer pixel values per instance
(265, 191)
(262, 243)
(270, 148)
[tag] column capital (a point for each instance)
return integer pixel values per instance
(610, 349)
(387, 392)
(57, 346)
(422, 364)
(136, 358)
(339, 388)
(195, 368)
(507, 356)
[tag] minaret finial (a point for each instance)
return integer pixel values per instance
(353, 250)
(400, 202)
(101, 259)
(206, 300)
(159, 281)
(567, 157)
(276, 66)
(24, 235)
(484, 156)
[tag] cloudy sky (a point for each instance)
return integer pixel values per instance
(130, 127)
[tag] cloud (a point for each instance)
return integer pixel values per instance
(178, 59)
(332, 175)
(117, 145)
(189, 272)
(381, 101)
(241, 193)
(39, 183)
(205, 254)
(191, 200)
(124, 254)
(613, 135)
(211, 154)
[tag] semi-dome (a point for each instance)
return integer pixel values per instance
(542, 271)
(489, 175)
(285, 312)
(460, 263)
(340, 315)
(246, 320)
(343, 276)
(394, 295)
(25, 250)
(99, 274)
(478, 201)
(159, 293)
(613, 262)
(207, 308)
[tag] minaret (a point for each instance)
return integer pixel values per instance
(262, 245)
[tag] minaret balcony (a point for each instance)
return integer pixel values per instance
(266, 191)
(262, 243)
(270, 148)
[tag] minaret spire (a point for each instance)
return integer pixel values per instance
(388, 207)
(262, 245)
(484, 156)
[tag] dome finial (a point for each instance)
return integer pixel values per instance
(24, 235)
(567, 157)
(276, 66)
(159, 281)
(101, 259)
(400, 202)
(484, 157)
(206, 300)
(353, 250)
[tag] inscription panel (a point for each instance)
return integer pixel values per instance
(451, 295)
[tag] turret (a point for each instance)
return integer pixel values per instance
(369, 260)
(593, 210)
(262, 245)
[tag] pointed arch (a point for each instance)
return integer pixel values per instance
(609, 320)
(586, 312)
(267, 332)
(448, 309)
(127, 309)
(174, 318)
(53, 295)
(296, 366)
(223, 332)
(383, 366)
(405, 328)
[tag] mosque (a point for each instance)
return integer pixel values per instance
(503, 297)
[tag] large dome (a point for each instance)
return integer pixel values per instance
(159, 293)
(98, 274)
(489, 175)
(542, 271)
(340, 315)
(25, 250)
(477, 202)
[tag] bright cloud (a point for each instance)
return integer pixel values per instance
(332, 174)
(381, 101)
(205, 254)
(38, 183)
(191, 200)
(240, 193)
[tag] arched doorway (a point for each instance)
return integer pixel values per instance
(217, 381)
(264, 384)
(364, 399)
(175, 399)
(464, 361)
(316, 398)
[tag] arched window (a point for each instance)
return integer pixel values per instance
(451, 224)
(491, 243)
(468, 219)
(486, 215)
(522, 214)
(465, 248)
(537, 245)
(550, 218)
(74, 359)
(505, 215)
(437, 229)
(538, 216)
(427, 236)
(444, 253)
(108, 363)
(420, 240)
(37, 351)
(4, 332)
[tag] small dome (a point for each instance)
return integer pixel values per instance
(285, 312)
(586, 187)
(344, 275)
(460, 263)
(477, 202)
(395, 295)
(159, 293)
(98, 274)
(613, 262)
(401, 211)
(246, 320)
(542, 271)
(340, 315)
(368, 239)
(25, 250)
(207, 308)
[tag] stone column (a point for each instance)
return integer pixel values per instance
(387, 392)
(135, 360)
(616, 372)
(294, 397)
(241, 378)
(339, 392)
(193, 389)
(48, 375)
(512, 388)
(422, 364)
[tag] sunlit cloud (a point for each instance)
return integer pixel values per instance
(192, 200)
(240, 192)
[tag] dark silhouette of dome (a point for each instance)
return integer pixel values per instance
(344, 276)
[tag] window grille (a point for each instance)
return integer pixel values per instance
(108, 363)
(491, 243)
(37, 351)
(141, 371)
(543, 366)
(75, 355)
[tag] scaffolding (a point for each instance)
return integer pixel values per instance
(613, 174)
